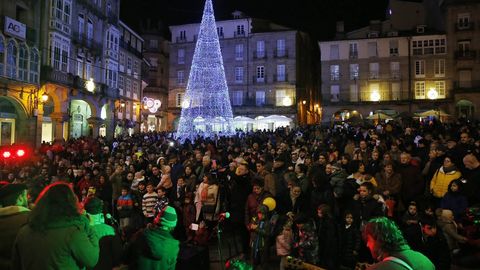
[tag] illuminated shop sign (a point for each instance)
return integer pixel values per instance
(151, 104)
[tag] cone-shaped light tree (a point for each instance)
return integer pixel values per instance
(206, 108)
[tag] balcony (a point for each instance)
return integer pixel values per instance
(464, 26)
(259, 55)
(257, 80)
(130, 48)
(280, 53)
(353, 55)
(465, 55)
(280, 78)
(48, 74)
(238, 34)
(373, 75)
(81, 40)
(345, 97)
(467, 86)
(181, 39)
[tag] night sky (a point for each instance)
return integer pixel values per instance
(316, 17)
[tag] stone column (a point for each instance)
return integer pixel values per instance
(58, 118)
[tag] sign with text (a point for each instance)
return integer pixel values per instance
(15, 28)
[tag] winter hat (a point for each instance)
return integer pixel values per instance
(94, 206)
(169, 217)
(9, 190)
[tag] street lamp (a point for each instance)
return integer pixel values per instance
(90, 85)
(287, 101)
(44, 97)
(375, 96)
(432, 94)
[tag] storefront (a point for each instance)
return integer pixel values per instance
(80, 111)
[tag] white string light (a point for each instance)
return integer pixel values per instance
(206, 108)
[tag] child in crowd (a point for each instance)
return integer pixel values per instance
(125, 204)
(349, 243)
(455, 200)
(284, 243)
(162, 198)
(149, 201)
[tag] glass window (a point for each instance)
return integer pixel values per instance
(179, 99)
(12, 55)
(394, 47)
(23, 63)
(334, 72)
(237, 98)
(354, 71)
(420, 90)
(260, 98)
(440, 87)
(281, 76)
(353, 50)
(395, 70)
(374, 70)
(260, 74)
(372, 49)
(439, 67)
(281, 47)
(419, 68)
(260, 49)
(239, 52)
(181, 56)
(281, 97)
(34, 66)
(180, 77)
(334, 93)
(238, 74)
(2, 56)
(334, 52)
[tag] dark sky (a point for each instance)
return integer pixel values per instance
(316, 17)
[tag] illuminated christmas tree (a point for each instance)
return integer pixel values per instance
(206, 108)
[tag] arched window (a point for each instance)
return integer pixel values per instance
(23, 63)
(2, 56)
(34, 65)
(12, 59)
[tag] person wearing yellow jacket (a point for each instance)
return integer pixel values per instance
(442, 178)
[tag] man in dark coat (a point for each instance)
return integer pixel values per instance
(472, 175)
(413, 185)
(13, 215)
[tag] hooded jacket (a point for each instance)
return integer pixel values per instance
(12, 218)
(69, 243)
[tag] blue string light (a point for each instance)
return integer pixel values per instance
(206, 109)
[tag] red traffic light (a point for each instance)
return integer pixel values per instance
(6, 154)
(20, 153)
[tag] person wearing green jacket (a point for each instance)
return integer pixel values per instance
(155, 248)
(57, 235)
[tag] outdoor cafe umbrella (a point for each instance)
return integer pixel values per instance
(379, 116)
(433, 113)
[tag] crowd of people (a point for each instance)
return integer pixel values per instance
(321, 195)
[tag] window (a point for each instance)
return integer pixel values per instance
(80, 67)
(81, 25)
(334, 72)
(334, 53)
(111, 74)
(128, 87)
(121, 84)
(23, 63)
(372, 49)
(465, 78)
(394, 47)
(179, 99)
(88, 69)
(463, 21)
(395, 70)
(396, 91)
(433, 46)
(281, 73)
(180, 77)
(239, 52)
(154, 62)
(237, 98)
(183, 35)
(34, 65)
(281, 48)
(439, 67)
(260, 98)
(420, 68)
(153, 44)
(419, 90)
(121, 62)
(2, 55)
(281, 97)
(353, 92)
(89, 32)
(374, 70)
(260, 74)
(353, 50)
(354, 71)
(12, 59)
(464, 48)
(136, 69)
(260, 49)
(239, 74)
(334, 93)
(440, 87)
(129, 65)
(61, 10)
(135, 90)
(220, 31)
(59, 52)
(181, 56)
(240, 30)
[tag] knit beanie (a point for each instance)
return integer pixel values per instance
(169, 217)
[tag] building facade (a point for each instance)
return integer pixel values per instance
(270, 72)
(128, 106)
(371, 69)
(156, 65)
(20, 54)
(463, 31)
